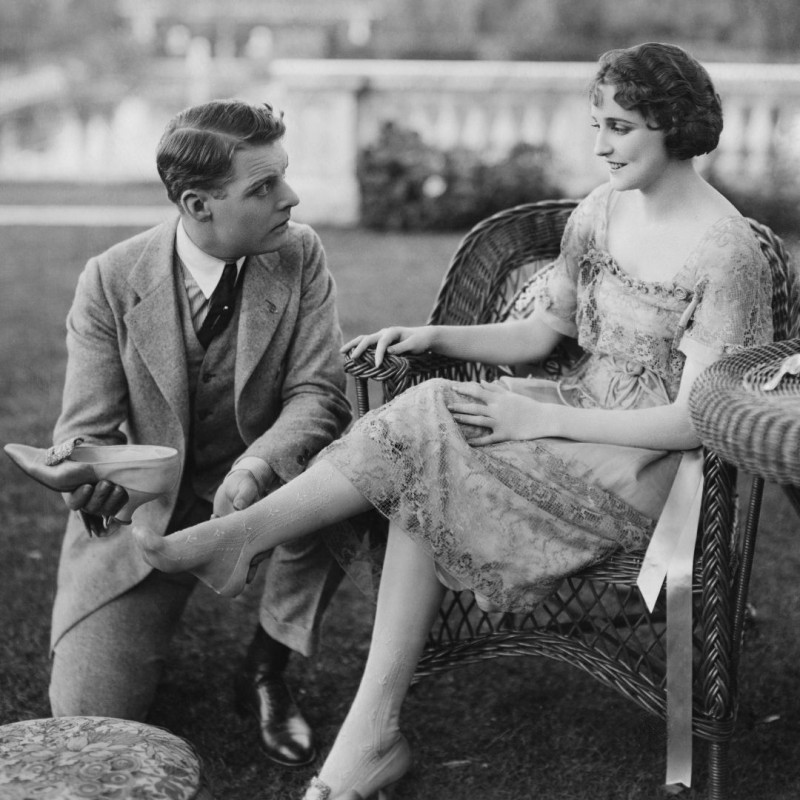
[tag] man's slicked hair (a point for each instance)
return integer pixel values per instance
(197, 148)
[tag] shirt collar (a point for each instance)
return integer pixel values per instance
(205, 269)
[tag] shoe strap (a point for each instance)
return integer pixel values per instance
(61, 452)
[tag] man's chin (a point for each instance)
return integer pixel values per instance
(276, 240)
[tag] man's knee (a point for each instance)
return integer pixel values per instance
(85, 683)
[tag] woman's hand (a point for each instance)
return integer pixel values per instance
(395, 340)
(507, 415)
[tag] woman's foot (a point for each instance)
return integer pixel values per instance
(220, 552)
(373, 776)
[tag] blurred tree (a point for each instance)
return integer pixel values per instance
(86, 36)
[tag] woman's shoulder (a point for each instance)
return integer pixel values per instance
(591, 213)
(599, 197)
(730, 253)
(730, 235)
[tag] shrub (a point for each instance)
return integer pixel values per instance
(773, 201)
(407, 184)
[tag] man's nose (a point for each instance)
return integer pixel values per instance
(289, 198)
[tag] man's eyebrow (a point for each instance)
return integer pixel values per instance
(272, 172)
(262, 179)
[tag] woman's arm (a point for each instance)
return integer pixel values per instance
(514, 342)
(512, 416)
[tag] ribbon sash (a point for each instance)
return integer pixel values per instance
(670, 557)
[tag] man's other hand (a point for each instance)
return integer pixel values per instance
(239, 490)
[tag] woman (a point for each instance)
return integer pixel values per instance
(506, 488)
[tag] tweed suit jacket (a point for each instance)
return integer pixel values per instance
(126, 382)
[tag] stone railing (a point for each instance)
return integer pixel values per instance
(333, 108)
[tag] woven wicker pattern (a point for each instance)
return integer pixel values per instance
(597, 620)
(757, 430)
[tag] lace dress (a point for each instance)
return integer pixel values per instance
(510, 520)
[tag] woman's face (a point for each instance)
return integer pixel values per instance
(635, 154)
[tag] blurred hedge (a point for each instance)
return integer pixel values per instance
(407, 184)
(773, 201)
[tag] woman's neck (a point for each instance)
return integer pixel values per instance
(677, 189)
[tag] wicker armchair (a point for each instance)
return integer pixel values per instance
(597, 621)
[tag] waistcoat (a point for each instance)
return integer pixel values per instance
(214, 438)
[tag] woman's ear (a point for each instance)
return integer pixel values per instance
(194, 203)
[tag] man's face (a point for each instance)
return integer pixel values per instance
(250, 214)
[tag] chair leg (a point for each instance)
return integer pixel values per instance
(718, 770)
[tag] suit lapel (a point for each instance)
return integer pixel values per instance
(264, 299)
(154, 323)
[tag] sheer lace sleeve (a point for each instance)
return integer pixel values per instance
(732, 306)
(557, 301)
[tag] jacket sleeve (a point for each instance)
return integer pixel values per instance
(314, 408)
(95, 396)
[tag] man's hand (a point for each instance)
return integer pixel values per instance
(96, 503)
(239, 490)
(103, 498)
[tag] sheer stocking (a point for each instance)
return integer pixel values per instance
(369, 751)
(220, 552)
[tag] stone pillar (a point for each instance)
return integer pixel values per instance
(321, 140)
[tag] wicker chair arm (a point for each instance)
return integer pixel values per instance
(397, 373)
(399, 369)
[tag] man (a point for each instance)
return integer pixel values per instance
(247, 399)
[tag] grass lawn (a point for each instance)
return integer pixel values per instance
(503, 730)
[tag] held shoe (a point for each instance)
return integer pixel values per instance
(144, 471)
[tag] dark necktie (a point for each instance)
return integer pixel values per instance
(220, 306)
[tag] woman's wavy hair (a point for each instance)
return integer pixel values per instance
(197, 148)
(670, 89)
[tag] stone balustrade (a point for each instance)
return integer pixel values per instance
(333, 108)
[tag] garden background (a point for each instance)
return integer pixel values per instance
(500, 730)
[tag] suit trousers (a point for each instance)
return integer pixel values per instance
(110, 662)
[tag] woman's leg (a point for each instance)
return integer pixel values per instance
(369, 751)
(220, 551)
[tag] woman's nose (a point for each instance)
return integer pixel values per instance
(602, 146)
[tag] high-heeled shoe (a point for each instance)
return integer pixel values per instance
(377, 783)
(144, 471)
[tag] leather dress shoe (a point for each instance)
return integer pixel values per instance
(286, 737)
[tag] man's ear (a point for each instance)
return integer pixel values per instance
(194, 203)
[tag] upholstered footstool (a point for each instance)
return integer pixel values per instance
(71, 758)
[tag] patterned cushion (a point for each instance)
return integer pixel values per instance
(96, 757)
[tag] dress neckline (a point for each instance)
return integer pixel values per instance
(601, 247)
